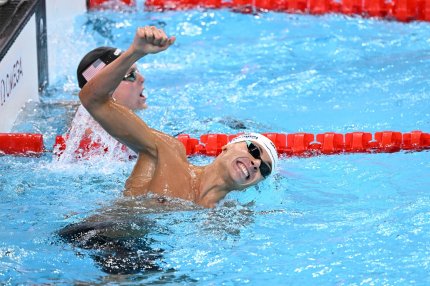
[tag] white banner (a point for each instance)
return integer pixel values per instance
(18, 76)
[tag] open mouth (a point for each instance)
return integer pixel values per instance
(141, 93)
(244, 170)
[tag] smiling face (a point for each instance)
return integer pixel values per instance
(129, 92)
(243, 168)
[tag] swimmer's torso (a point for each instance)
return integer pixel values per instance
(169, 174)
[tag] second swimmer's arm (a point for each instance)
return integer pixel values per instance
(117, 120)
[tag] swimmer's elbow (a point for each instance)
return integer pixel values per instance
(90, 98)
(85, 97)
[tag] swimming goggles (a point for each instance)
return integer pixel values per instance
(131, 76)
(265, 170)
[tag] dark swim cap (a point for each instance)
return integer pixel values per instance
(95, 61)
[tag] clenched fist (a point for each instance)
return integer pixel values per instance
(150, 40)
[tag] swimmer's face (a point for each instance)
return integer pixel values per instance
(244, 169)
(129, 92)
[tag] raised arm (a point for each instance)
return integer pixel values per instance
(96, 95)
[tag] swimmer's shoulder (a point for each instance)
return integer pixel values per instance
(169, 144)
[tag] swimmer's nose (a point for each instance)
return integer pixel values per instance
(255, 164)
(141, 78)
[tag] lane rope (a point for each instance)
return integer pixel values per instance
(292, 144)
(400, 10)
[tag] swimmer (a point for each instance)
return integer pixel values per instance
(162, 167)
(129, 93)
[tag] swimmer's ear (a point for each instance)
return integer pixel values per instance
(224, 148)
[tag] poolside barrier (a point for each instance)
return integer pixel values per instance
(23, 57)
(294, 144)
(401, 10)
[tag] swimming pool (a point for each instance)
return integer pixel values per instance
(361, 219)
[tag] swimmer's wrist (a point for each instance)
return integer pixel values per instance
(134, 54)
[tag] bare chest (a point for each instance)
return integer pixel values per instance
(170, 175)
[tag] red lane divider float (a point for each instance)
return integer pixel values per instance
(85, 145)
(294, 144)
(21, 144)
(95, 4)
(401, 10)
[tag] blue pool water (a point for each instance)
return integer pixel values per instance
(360, 219)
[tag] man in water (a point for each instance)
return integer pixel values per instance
(117, 236)
(162, 167)
(129, 91)
(86, 138)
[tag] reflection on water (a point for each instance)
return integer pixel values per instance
(120, 238)
(117, 236)
(113, 246)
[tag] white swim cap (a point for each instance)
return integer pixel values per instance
(262, 141)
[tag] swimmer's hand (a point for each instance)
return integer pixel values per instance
(150, 40)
